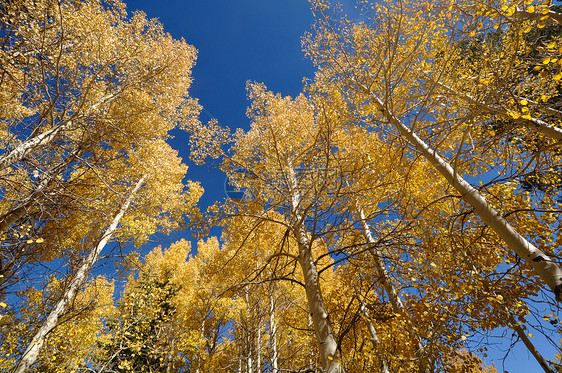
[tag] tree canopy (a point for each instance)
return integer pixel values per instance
(401, 214)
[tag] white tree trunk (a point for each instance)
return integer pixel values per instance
(374, 339)
(548, 270)
(533, 123)
(29, 145)
(258, 349)
(328, 346)
(393, 296)
(30, 355)
(273, 335)
(26, 147)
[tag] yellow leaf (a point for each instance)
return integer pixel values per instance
(531, 9)
(40, 240)
(3, 305)
(551, 45)
(546, 61)
(463, 338)
(524, 102)
(472, 33)
(532, 336)
(557, 77)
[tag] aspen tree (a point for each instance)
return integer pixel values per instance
(85, 89)
(33, 349)
(372, 67)
(277, 161)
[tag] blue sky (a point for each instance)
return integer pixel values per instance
(236, 41)
(245, 40)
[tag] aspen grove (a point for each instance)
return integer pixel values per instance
(401, 214)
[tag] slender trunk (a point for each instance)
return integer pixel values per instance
(548, 270)
(45, 180)
(328, 346)
(310, 348)
(530, 346)
(533, 123)
(249, 355)
(249, 336)
(30, 355)
(513, 324)
(273, 335)
(393, 296)
(26, 147)
(374, 339)
(45, 138)
(258, 349)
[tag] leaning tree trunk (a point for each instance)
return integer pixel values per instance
(30, 355)
(532, 123)
(513, 324)
(273, 333)
(548, 270)
(30, 145)
(375, 339)
(392, 293)
(327, 344)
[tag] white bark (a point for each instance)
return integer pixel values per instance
(29, 145)
(328, 346)
(513, 324)
(26, 147)
(393, 296)
(533, 123)
(374, 339)
(273, 335)
(258, 349)
(548, 270)
(249, 359)
(30, 355)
